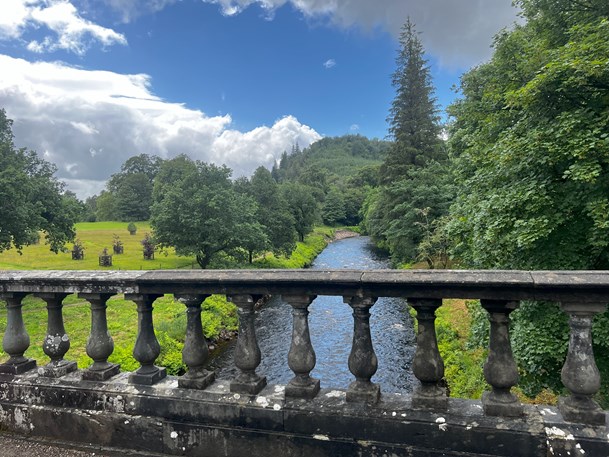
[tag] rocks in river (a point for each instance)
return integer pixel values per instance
(342, 234)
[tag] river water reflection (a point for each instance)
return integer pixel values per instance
(331, 327)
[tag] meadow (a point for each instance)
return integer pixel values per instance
(218, 317)
(95, 236)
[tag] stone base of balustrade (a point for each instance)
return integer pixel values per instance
(493, 406)
(163, 419)
(57, 369)
(101, 375)
(363, 393)
(248, 387)
(585, 412)
(307, 391)
(197, 379)
(430, 397)
(148, 379)
(18, 368)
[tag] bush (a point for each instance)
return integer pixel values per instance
(132, 228)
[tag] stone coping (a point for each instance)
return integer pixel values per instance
(582, 286)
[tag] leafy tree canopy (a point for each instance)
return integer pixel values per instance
(201, 214)
(531, 144)
(31, 198)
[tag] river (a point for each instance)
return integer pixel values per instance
(331, 327)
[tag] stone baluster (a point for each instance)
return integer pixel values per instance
(56, 342)
(362, 359)
(427, 364)
(500, 369)
(16, 339)
(195, 351)
(580, 374)
(301, 358)
(147, 348)
(99, 344)
(247, 352)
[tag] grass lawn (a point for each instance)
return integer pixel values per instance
(95, 236)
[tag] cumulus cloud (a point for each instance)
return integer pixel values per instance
(458, 33)
(68, 30)
(89, 122)
(329, 63)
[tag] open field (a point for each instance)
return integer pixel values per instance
(95, 236)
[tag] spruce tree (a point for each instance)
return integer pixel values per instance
(413, 116)
(407, 186)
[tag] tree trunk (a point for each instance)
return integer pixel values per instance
(203, 260)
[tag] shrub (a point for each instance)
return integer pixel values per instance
(105, 259)
(132, 228)
(117, 244)
(78, 251)
(149, 246)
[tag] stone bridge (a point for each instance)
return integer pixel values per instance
(196, 414)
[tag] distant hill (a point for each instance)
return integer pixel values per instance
(339, 157)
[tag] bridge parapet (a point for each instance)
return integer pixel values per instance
(196, 414)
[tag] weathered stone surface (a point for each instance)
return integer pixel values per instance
(157, 414)
(247, 352)
(363, 362)
(164, 418)
(500, 369)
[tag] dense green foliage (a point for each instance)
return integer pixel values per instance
(342, 169)
(273, 214)
(31, 198)
(414, 177)
(530, 148)
(202, 214)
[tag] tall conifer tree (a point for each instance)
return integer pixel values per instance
(413, 174)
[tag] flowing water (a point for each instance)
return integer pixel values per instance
(331, 328)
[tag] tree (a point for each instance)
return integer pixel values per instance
(414, 175)
(132, 187)
(273, 212)
(531, 148)
(333, 209)
(31, 198)
(201, 214)
(413, 116)
(105, 206)
(133, 197)
(531, 151)
(302, 205)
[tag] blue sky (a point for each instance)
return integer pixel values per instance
(91, 82)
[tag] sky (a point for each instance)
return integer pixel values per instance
(90, 83)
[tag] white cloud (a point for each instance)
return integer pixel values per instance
(329, 63)
(354, 127)
(89, 122)
(68, 30)
(458, 33)
(132, 9)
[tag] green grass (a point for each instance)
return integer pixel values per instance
(169, 316)
(95, 236)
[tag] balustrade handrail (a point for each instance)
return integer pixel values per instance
(583, 286)
(581, 295)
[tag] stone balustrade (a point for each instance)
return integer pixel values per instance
(581, 295)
